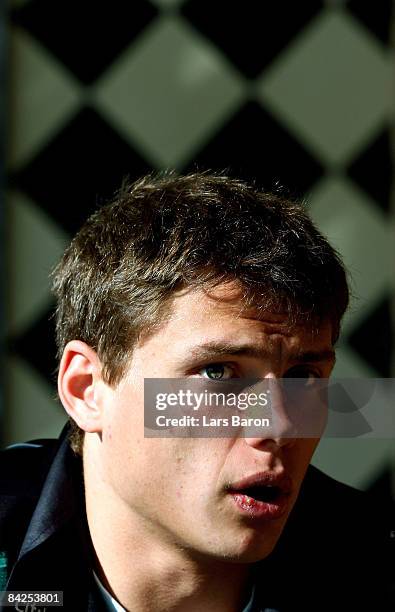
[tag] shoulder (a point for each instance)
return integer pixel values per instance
(23, 466)
(321, 487)
(23, 470)
(335, 548)
(335, 511)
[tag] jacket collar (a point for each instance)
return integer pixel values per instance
(56, 552)
(60, 515)
(57, 503)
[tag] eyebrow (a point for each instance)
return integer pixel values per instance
(212, 350)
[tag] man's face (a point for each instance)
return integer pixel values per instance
(181, 488)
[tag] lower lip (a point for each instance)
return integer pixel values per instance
(258, 509)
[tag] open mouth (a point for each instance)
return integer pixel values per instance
(263, 495)
(268, 494)
(263, 502)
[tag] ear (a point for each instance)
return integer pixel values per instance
(78, 382)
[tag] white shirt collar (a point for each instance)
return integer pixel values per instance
(111, 604)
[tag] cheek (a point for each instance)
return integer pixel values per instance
(121, 442)
(197, 469)
(123, 419)
(176, 469)
(183, 471)
(312, 445)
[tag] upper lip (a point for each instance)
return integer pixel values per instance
(263, 479)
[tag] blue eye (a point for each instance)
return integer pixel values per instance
(216, 371)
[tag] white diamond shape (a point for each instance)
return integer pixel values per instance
(350, 364)
(352, 460)
(34, 245)
(331, 87)
(358, 229)
(43, 97)
(32, 411)
(168, 92)
(355, 461)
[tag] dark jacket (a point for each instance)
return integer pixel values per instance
(334, 554)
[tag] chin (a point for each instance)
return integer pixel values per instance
(257, 554)
(257, 549)
(251, 555)
(250, 547)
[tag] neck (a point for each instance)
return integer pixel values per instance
(145, 569)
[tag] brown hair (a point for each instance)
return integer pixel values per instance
(162, 233)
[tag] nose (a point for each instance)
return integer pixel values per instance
(282, 430)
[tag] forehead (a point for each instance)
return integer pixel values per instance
(221, 314)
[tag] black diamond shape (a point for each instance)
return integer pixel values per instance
(87, 160)
(250, 33)
(86, 36)
(372, 170)
(37, 346)
(372, 339)
(376, 16)
(255, 147)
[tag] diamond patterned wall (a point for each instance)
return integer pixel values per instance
(298, 101)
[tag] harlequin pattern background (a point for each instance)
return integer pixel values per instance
(296, 95)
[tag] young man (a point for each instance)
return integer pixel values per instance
(197, 277)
